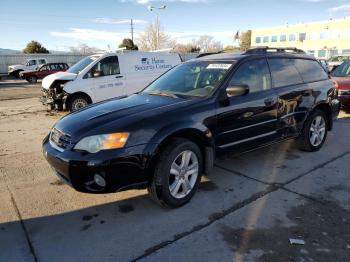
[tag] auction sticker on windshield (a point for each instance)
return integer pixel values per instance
(219, 66)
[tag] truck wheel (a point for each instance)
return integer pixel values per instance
(32, 79)
(314, 133)
(177, 173)
(16, 73)
(77, 102)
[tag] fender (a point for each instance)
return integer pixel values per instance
(196, 132)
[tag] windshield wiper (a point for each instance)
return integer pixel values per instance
(162, 94)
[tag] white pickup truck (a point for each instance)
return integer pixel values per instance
(29, 64)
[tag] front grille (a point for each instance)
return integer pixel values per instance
(60, 139)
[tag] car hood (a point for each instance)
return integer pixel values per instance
(343, 82)
(116, 115)
(47, 81)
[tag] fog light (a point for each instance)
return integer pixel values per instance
(99, 180)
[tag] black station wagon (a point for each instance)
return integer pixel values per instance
(166, 136)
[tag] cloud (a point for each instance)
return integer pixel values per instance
(118, 21)
(341, 8)
(90, 35)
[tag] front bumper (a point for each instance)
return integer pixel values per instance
(53, 100)
(122, 168)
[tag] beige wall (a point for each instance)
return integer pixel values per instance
(332, 36)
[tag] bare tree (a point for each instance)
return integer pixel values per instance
(206, 43)
(154, 38)
(83, 49)
(245, 40)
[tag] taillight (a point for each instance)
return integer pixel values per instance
(335, 84)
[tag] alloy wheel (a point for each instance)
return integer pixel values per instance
(317, 131)
(183, 174)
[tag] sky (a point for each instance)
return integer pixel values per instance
(61, 24)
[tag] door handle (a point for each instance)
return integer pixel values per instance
(119, 76)
(270, 101)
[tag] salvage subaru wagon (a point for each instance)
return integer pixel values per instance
(166, 136)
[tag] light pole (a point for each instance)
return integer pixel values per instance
(155, 9)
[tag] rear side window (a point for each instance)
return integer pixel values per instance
(310, 70)
(253, 73)
(42, 61)
(284, 72)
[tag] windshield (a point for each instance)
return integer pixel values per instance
(343, 70)
(78, 67)
(194, 79)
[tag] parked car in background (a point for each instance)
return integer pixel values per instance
(341, 75)
(335, 61)
(29, 64)
(43, 71)
(104, 76)
(324, 63)
(166, 136)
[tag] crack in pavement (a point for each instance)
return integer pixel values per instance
(29, 242)
(272, 187)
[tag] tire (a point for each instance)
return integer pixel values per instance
(16, 73)
(77, 102)
(32, 79)
(175, 154)
(314, 132)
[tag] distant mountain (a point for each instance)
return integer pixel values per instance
(4, 51)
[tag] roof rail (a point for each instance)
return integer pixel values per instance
(266, 49)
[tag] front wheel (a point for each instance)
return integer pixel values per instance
(77, 102)
(177, 173)
(32, 79)
(314, 133)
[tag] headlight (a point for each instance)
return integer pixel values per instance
(94, 144)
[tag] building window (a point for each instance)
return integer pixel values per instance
(266, 39)
(274, 38)
(311, 52)
(283, 38)
(346, 51)
(333, 52)
(321, 53)
(312, 36)
(292, 37)
(258, 40)
(302, 37)
(323, 35)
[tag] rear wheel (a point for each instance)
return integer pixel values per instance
(32, 79)
(177, 173)
(77, 102)
(314, 133)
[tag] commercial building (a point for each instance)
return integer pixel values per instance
(322, 39)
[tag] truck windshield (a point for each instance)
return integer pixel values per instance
(78, 67)
(193, 79)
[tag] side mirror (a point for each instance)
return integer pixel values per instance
(98, 73)
(237, 90)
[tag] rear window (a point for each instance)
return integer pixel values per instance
(310, 70)
(284, 72)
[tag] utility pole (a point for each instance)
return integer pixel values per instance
(132, 29)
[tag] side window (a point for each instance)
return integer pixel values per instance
(42, 61)
(32, 62)
(284, 72)
(43, 68)
(107, 66)
(310, 70)
(54, 67)
(253, 73)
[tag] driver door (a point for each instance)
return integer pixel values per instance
(107, 80)
(248, 120)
